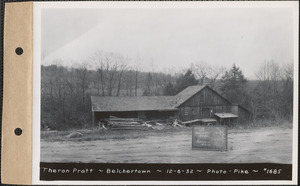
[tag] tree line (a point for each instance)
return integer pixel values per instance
(65, 91)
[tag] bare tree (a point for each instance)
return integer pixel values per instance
(136, 82)
(112, 70)
(207, 74)
(98, 60)
(269, 91)
(215, 73)
(55, 98)
(201, 70)
(288, 93)
(83, 82)
(136, 74)
(123, 66)
(129, 80)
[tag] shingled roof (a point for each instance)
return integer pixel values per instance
(146, 103)
(186, 94)
(154, 103)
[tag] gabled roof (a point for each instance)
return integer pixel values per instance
(145, 103)
(141, 103)
(187, 93)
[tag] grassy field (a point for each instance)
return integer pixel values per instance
(271, 144)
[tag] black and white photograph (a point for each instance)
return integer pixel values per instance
(165, 84)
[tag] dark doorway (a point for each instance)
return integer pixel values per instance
(205, 112)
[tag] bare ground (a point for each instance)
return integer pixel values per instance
(264, 145)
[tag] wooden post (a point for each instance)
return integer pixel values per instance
(93, 118)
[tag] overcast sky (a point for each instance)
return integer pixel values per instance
(166, 38)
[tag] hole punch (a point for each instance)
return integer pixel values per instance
(18, 131)
(19, 51)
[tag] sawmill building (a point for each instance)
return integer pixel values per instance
(194, 102)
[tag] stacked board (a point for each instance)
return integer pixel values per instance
(115, 123)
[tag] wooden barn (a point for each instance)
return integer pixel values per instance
(197, 102)
(143, 107)
(194, 102)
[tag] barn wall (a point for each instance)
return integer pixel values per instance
(203, 105)
(244, 115)
(161, 115)
(235, 109)
(144, 115)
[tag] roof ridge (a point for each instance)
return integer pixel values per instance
(133, 96)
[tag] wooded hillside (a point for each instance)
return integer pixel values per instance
(65, 92)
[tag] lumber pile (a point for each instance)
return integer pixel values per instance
(116, 123)
(113, 118)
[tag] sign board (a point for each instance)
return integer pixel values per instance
(209, 137)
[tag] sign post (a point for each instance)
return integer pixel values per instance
(209, 138)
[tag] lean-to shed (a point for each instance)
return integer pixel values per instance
(194, 102)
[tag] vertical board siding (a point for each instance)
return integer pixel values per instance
(198, 105)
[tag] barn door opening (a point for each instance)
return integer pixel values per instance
(205, 112)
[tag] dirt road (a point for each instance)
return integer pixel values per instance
(266, 145)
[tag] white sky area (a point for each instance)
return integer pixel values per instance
(170, 38)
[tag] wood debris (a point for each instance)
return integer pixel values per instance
(74, 134)
(176, 123)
